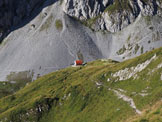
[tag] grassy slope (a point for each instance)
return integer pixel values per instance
(153, 114)
(7, 88)
(71, 94)
(118, 5)
(15, 81)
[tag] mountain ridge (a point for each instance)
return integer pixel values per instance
(89, 93)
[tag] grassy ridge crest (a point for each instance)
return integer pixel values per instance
(85, 94)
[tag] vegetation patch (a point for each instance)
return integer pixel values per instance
(90, 22)
(136, 48)
(151, 114)
(148, 20)
(118, 5)
(142, 50)
(122, 50)
(128, 39)
(15, 82)
(58, 24)
(24, 76)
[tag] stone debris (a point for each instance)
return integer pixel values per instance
(159, 66)
(108, 80)
(127, 73)
(143, 94)
(64, 97)
(12, 82)
(69, 94)
(121, 90)
(144, 91)
(127, 99)
(134, 93)
(153, 70)
(118, 109)
(104, 60)
(98, 84)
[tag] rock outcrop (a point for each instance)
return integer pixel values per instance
(112, 15)
(85, 9)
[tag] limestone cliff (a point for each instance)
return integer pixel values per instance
(111, 15)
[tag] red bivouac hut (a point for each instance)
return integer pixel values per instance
(78, 62)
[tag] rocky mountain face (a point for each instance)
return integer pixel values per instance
(112, 15)
(50, 35)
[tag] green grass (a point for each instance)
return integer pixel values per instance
(122, 50)
(128, 39)
(151, 114)
(118, 5)
(15, 81)
(71, 94)
(137, 47)
(148, 20)
(90, 22)
(58, 24)
(142, 50)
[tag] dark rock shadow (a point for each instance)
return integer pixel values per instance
(5, 30)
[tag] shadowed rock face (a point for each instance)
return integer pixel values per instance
(13, 11)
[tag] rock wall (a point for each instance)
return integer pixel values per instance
(111, 15)
(114, 14)
(85, 9)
